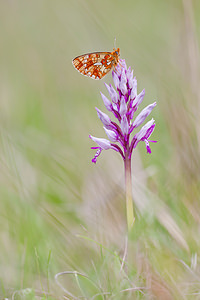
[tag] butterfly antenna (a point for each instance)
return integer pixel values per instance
(115, 42)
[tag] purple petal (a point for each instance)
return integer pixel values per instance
(115, 79)
(112, 93)
(139, 98)
(144, 130)
(107, 102)
(122, 64)
(123, 107)
(129, 73)
(122, 84)
(104, 118)
(103, 143)
(149, 132)
(124, 125)
(115, 106)
(130, 80)
(133, 83)
(143, 115)
(113, 136)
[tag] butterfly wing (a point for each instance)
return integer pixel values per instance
(95, 65)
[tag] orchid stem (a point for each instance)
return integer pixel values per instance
(129, 201)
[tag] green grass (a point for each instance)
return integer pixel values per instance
(58, 212)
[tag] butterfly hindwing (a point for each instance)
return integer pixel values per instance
(97, 64)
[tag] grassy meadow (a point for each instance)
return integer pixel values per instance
(63, 219)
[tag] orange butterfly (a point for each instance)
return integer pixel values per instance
(97, 64)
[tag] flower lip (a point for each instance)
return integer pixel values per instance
(98, 152)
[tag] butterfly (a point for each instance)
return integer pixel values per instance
(96, 64)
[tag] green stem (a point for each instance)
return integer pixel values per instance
(129, 201)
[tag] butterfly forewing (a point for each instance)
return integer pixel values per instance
(97, 64)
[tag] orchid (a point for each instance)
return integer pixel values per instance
(124, 103)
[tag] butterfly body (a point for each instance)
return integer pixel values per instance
(96, 64)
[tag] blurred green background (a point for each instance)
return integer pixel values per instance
(58, 211)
